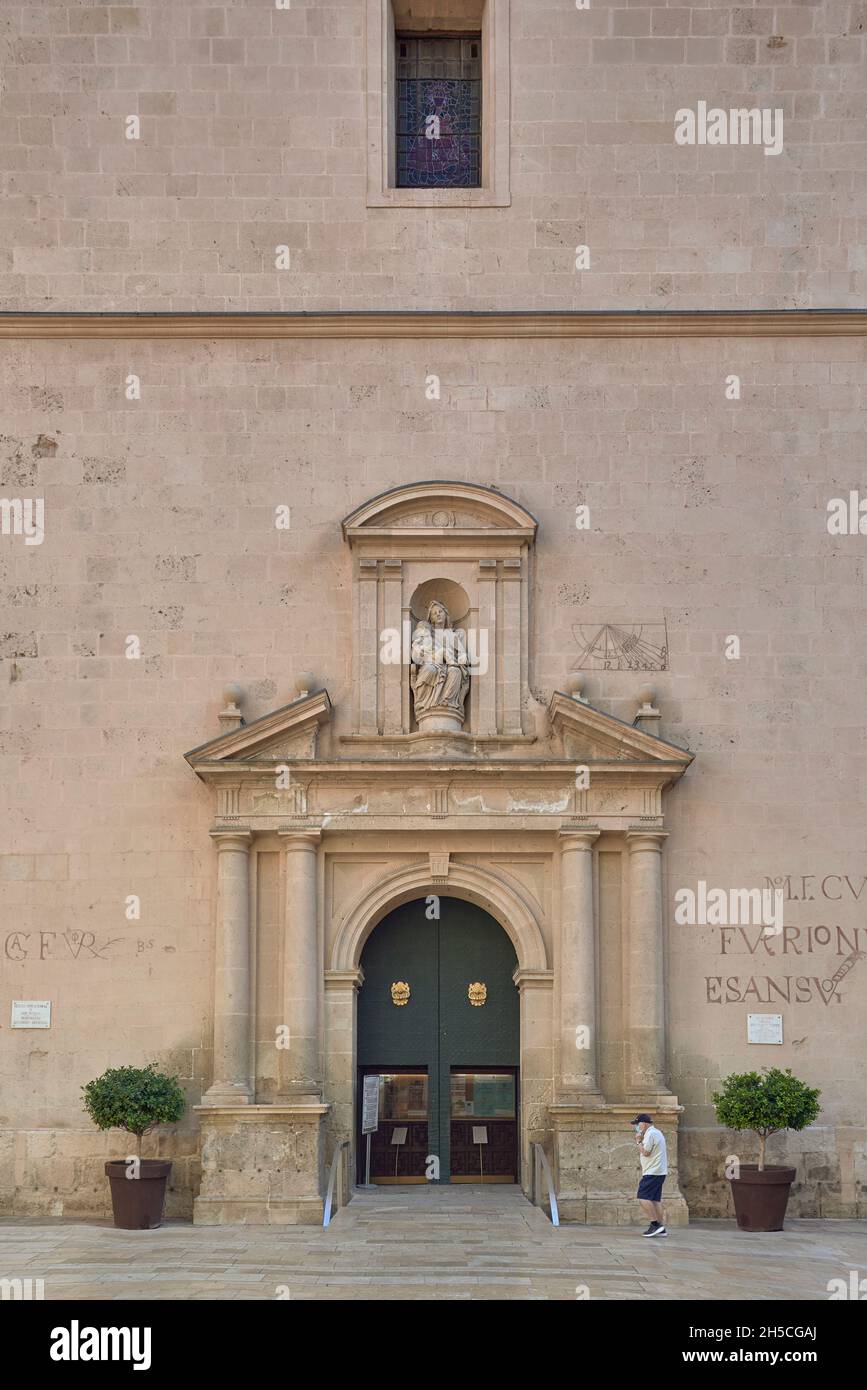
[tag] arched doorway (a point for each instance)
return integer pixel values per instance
(448, 1066)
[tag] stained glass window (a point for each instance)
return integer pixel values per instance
(439, 100)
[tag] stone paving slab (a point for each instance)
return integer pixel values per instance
(432, 1243)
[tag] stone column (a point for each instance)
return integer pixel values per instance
(232, 1084)
(646, 1071)
(301, 1078)
(536, 989)
(578, 1075)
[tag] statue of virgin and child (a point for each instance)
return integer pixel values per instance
(440, 675)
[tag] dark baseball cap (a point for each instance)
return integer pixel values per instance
(646, 1119)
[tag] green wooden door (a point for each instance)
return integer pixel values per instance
(438, 1030)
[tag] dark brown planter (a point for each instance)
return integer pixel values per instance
(760, 1198)
(138, 1202)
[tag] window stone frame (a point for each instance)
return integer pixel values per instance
(382, 192)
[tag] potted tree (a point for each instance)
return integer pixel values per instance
(135, 1099)
(765, 1104)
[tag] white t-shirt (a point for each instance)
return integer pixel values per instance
(653, 1153)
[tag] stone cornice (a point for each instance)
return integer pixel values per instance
(429, 324)
(436, 770)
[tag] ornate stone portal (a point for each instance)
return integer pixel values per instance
(440, 772)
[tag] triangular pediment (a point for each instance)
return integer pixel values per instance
(286, 732)
(590, 735)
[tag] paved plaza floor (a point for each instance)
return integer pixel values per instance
(432, 1243)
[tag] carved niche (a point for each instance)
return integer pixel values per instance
(441, 592)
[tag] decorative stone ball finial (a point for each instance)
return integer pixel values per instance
(304, 683)
(231, 716)
(646, 695)
(233, 695)
(647, 716)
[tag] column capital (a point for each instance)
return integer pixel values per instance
(577, 837)
(638, 839)
(300, 839)
(232, 839)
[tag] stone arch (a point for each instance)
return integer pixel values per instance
(481, 886)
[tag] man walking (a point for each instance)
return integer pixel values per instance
(654, 1170)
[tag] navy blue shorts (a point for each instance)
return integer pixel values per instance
(650, 1187)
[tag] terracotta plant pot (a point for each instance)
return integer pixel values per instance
(760, 1198)
(138, 1202)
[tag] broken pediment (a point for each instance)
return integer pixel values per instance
(288, 732)
(303, 745)
(589, 735)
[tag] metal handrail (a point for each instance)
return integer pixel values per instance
(540, 1159)
(332, 1177)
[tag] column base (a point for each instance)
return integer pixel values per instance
(650, 1100)
(261, 1165)
(597, 1170)
(293, 1096)
(221, 1094)
(586, 1100)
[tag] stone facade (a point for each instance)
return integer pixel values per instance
(193, 539)
(217, 593)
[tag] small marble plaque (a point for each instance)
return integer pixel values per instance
(764, 1028)
(31, 1013)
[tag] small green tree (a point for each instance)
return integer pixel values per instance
(765, 1104)
(136, 1099)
